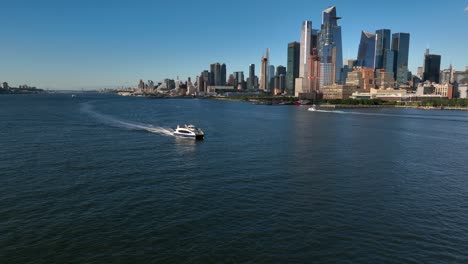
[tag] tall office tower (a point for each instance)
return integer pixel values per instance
(199, 83)
(271, 77)
(251, 82)
(382, 46)
(280, 70)
(212, 73)
(268, 76)
(329, 38)
(314, 39)
(400, 48)
(367, 50)
(314, 71)
(293, 66)
(264, 74)
(326, 70)
(223, 75)
(206, 77)
(306, 34)
(216, 74)
(432, 68)
(388, 61)
(282, 83)
(301, 85)
(239, 78)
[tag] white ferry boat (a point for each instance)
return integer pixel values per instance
(189, 131)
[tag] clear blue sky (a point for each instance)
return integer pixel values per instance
(94, 44)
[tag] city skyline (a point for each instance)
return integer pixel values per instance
(89, 45)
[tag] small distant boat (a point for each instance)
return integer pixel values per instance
(73, 96)
(189, 131)
(313, 108)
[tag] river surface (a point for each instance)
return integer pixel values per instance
(101, 179)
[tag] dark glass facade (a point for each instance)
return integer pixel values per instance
(432, 68)
(382, 46)
(293, 66)
(366, 53)
(400, 48)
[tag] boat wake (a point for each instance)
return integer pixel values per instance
(414, 116)
(109, 120)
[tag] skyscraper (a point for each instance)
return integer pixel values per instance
(367, 49)
(271, 77)
(432, 68)
(223, 75)
(215, 74)
(280, 70)
(400, 48)
(314, 39)
(301, 84)
(314, 72)
(293, 66)
(264, 74)
(306, 40)
(382, 46)
(251, 82)
(329, 38)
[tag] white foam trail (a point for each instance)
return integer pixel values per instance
(88, 109)
(391, 115)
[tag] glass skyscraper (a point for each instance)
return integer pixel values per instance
(251, 82)
(293, 66)
(330, 38)
(382, 46)
(400, 48)
(432, 68)
(366, 53)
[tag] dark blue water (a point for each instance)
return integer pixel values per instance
(83, 181)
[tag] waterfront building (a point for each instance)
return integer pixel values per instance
(355, 78)
(337, 91)
(384, 79)
(462, 91)
(445, 90)
(330, 44)
(460, 77)
(367, 50)
(432, 68)
(382, 49)
(264, 74)
(6, 86)
(362, 77)
(293, 66)
(400, 48)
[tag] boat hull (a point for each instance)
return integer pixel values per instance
(189, 136)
